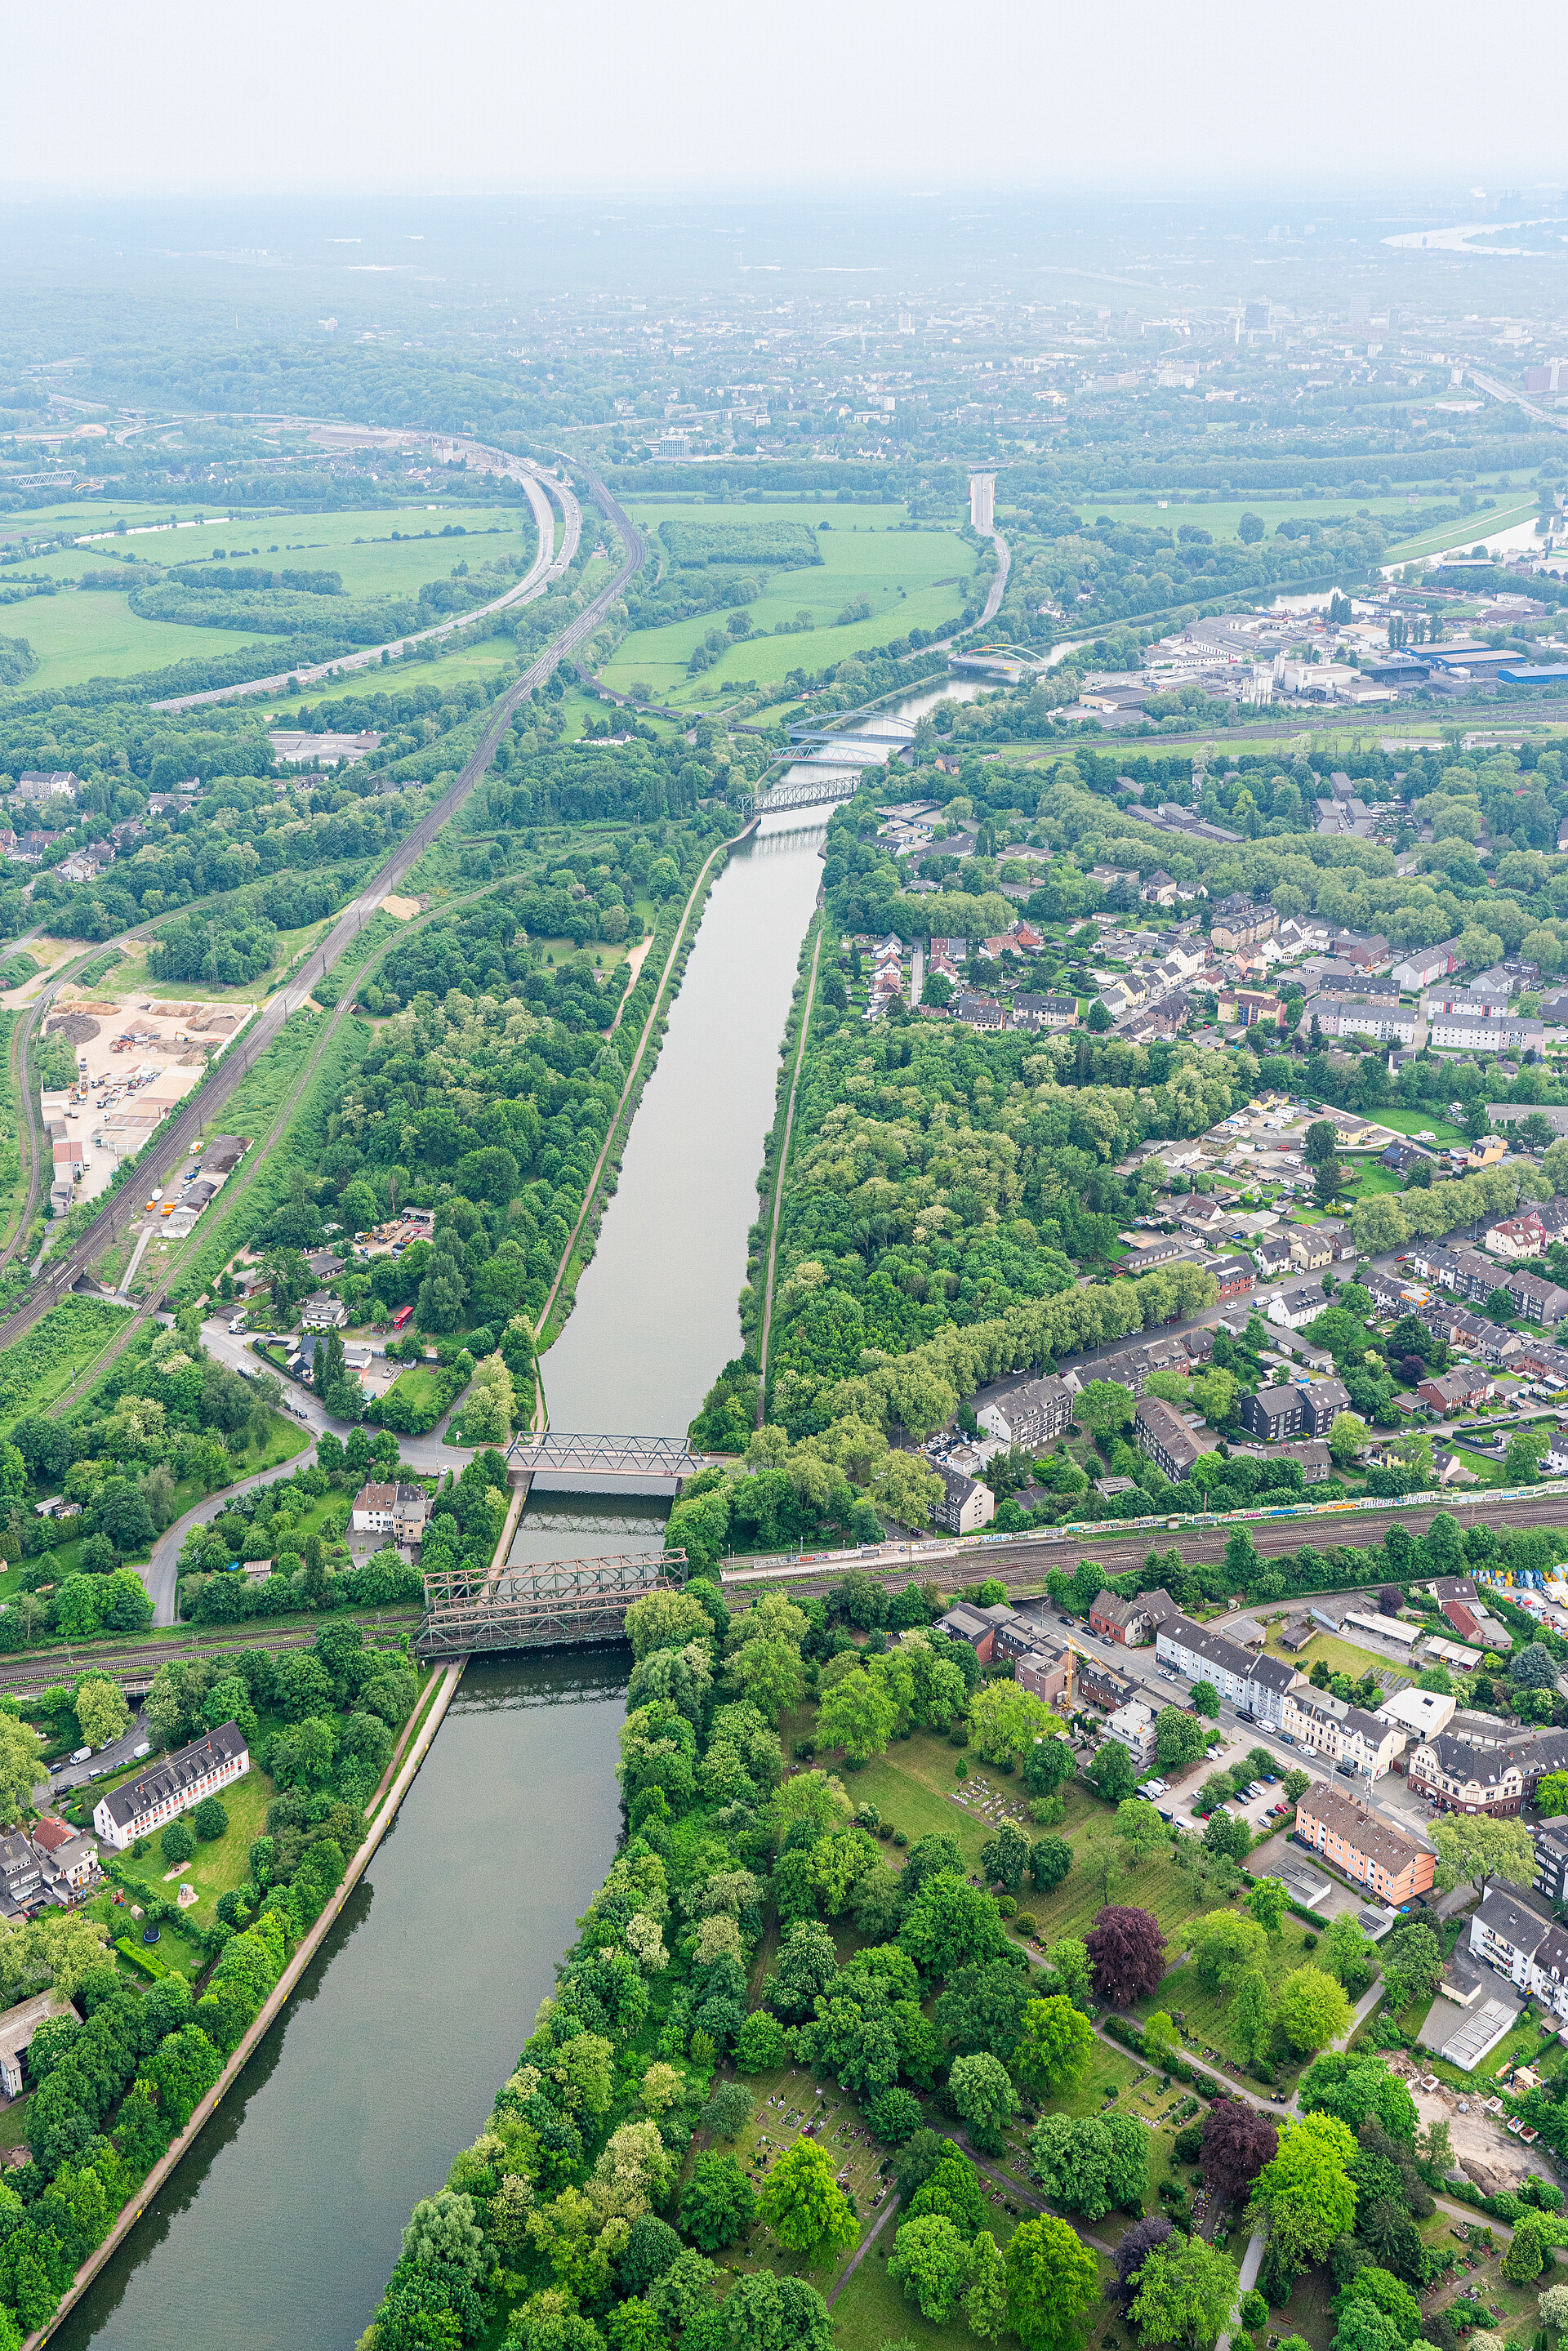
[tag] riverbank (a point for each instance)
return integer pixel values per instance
(415, 1745)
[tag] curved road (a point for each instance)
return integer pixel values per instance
(547, 566)
(209, 1097)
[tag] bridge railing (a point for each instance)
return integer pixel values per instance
(546, 1605)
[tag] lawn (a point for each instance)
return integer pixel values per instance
(96, 634)
(1204, 2013)
(1421, 1121)
(912, 578)
(417, 1387)
(1337, 1655)
(215, 1868)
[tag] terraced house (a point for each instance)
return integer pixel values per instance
(1255, 1685)
(1361, 1846)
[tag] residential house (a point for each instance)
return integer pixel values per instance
(154, 1798)
(1249, 1006)
(1099, 1684)
(1133, 1727)
(21, 1874)
(324, 1313)
(1272, 1254)
(1321, 1401)
(1537, 1299)
(1419, 1713)
(1421, 967)
(69, 1859)
(397, 1512)
(1458, 1032)
(1240, 921)
(1160, 1431)
(1273, 1413)
(1031, 1010)
(1348, 1736)
(1456, 1391)
(1235, 1278)
(17, 2027)
(37, 784)
(1292, 1309)
(1401, 1157)
(1202, 1216)
(1508, 1934)
(1257, 1686)
(1552, 1862)
(1126, 1621)
(1363, 1847)
(1517, 1237)
(1457, 1777)
(1382, 1017)
(1029, 1415)
(966, 1505)
(1311, 1249)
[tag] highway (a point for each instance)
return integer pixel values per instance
(205, 1105)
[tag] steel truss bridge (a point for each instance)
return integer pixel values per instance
(558, 1454)
(557, 1604)
(807, 791)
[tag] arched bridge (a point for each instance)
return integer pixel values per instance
(626, 1460)
(555, 1604)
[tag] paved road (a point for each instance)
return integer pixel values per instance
(201, 1106)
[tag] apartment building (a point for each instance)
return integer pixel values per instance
(1257, 1686)
(1508, 1933)
(1362, 1847)
(1030, 1416)
(1161, 1433)
(154, 1798)
(1273, 1412)
(1457, 1776)
(1344, 1736)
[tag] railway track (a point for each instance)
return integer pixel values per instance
(208, 1099)
(137, 1662)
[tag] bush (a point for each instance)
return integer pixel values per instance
(177, 1844)
(209, 1819)
(1254, 2309)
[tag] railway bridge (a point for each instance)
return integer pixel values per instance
(560, 1604)
(563, 1463)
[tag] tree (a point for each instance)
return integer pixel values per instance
(805, 2206)
(1412, 1964)
(1005, 1720)
(1005, 1857)
(1553, 2308)
(950, 1925)
(1321, 1143)
(1347, 1954)
(1114, 1772)
(728, 2110)
(1226, 1832)
(1238, 2141)
(1525, 2258)
(211, 1818)
(1347, 1437)
(1104, 1405)
(100, 1710)
(1179, 1738)
(1295, 1785)
(1137, 2243)
(1091, 2163)
(1480, 1848)
(985, 2298)
(1312, 2009)
(1522, 1456)
(1055, 2044)
(771, 1675)
(1140, 1828)
(857, 1715)
(1252, 2013)
(1359, 2088)
(1268, 1902)
(1206, 1700)
(717, 2202)
(1051, 2280)
(985, 2097)
(1186, 2293)
(21, 1768)
(176, 1844)
(1223, 1945)
(931, 2262)
(1126, 1953)
(1306, 2193)
(1534, 1668)
(807, 1963)
(1050, 1859)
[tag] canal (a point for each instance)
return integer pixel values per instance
(279, 2229)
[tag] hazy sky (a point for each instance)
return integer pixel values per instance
(154, 95)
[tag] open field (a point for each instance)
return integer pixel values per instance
(1471, 531)
(912, 578)
(1221, 520)
(94, 633)
(1418, 1122)
(1337, 1655)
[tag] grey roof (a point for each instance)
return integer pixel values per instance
(1158, 1606)
(1509, 1916)
(1551, 1953)
(1275, 1672)
(1486, 1766)
(1204, 1642)
(175, 1774)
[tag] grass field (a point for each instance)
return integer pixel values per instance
(1337, 1655)
(1222, 521)
(94, 634)
(1470, 531)
(1421, 1121)
(912, 578)
(50, 1357)
(215, 1868)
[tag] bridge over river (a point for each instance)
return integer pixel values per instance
(553, 1604)
(561, 1463)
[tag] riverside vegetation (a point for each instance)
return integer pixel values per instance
(768, 2047)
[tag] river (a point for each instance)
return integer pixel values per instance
(279, 2229)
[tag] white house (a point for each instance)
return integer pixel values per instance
(1132, 1726)
(150, 1801)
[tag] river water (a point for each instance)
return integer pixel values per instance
(279, 2229)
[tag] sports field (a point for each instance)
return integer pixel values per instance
(911, 578)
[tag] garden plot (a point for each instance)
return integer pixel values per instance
(985, 1801)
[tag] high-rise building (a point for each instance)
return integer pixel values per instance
(983, 501)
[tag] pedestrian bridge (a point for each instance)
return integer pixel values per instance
(556, 1604)
(570, 1464)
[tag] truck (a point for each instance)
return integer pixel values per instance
(403, 1316)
